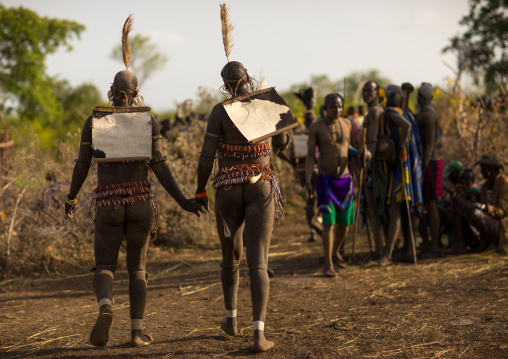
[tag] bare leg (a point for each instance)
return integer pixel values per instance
(259, 211)
(393, 231)
(328, 245)
(407, 254)
(137, 231)
(340, 235)
(109, 232)
(434, 224)
(424, 232)
(229, 213)
(376, 228)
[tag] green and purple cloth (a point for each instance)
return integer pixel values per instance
(331, 190)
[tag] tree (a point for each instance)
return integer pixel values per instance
(77, 103)
(25, 40)
(324, 85)
(145, 58)
(481, 50)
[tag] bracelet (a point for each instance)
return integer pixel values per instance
(283, 146)
(71, 202)
(86, 164)
(207, 155)
(202, 194)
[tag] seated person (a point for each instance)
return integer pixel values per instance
(450, 180)
(489, 215)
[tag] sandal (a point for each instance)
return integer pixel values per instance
(329, 272)
(139, 342)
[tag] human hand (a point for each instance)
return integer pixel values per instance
(196, 205)
(309, 191)
(70, 207)
(365, 158)
(403, 154)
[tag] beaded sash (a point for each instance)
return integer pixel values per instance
(243, 173)
(244, 152)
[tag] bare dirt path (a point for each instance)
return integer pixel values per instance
(454, 307)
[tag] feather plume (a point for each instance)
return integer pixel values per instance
(126, 50)
(227, 30)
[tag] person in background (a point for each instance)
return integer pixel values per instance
(490, 215)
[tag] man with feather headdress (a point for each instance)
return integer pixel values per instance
(247, 196)
(125, 142)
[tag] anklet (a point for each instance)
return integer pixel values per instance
(259, 325)
(105, 301)
(231, 313)
(136, 324)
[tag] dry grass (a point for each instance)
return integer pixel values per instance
(36, 238)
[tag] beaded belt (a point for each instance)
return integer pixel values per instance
(244, 152)
(134, 191)
(243, 173)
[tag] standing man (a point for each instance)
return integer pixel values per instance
(398, 129)
(427, 120)
(123, 200)
(334, 186)
(247, 201)
(377, 180)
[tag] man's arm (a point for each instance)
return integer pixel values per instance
(429, 122)
(209, 149)
(81, 168)
(310, 159)
(405, 127)
(163, 173)
(84, 160)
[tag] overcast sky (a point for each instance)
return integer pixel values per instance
(285, 41)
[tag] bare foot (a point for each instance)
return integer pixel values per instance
(260, 342)
(382, 262)
(339, 261)
(138, 339)
(329, 272)
(100, 332)
(228, 325)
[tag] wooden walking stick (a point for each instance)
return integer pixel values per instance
(407, 206)
(361, 153)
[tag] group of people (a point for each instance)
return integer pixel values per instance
(399, 155)
(401, 180)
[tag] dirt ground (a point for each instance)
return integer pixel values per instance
(453, 307)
